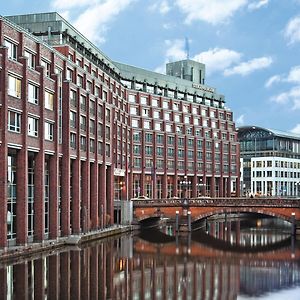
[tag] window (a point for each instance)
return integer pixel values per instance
(49, 129)
(14, 86)
(32, 126)
(135, 123)
(47, 68)
(83, 103)
(33, 94)
(143, 100)
(69, 75)
(147, 124)
(79, 80)
(30, 59)
(72, 119)
(48, 100)
(14, 121)
(83, 143)
(12, 50)
(73, 140)
(131, 98)
(83, 123)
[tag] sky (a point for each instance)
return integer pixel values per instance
(250, 47)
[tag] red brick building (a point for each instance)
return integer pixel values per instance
(78, 131)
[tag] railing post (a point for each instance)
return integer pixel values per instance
(177, 221)
(293, 221)
(189, 221)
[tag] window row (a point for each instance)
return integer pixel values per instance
(14, 125)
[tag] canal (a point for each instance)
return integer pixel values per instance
(229, 258)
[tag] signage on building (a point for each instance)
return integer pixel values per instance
(119, 172)
(203, 88)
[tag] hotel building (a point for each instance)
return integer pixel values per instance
(79, 131)
(270, 162)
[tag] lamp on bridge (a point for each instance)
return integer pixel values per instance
(185, 183)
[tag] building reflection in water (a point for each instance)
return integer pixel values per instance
(131, 267)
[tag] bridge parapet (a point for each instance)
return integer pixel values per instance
(222, 202)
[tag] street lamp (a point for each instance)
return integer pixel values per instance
(185, 184)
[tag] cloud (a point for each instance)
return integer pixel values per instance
(218, 59)
(292, 96)
(95, 16)
(272, 80)
(240, 120)
(292, 30)
(212, 11)
(162, 7)
(296, 129)
(250, 66)
(257, 4)
(294, 75)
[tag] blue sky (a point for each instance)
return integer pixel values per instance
(250, 47)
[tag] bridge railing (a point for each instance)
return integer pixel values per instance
(207, 201)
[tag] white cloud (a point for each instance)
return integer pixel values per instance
(257, 4)
(272, 80)
(290, 97)
(218, 59)
(296, 129)
(292, 30)
(250, 66)
(240, 120)
(294, 75)
(67, 4)
(162, 6)
(212, 11)
(94, 17)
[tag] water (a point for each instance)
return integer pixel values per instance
(229, 259)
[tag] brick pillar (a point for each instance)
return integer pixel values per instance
(65, 169)
(194, 186)
(221, 187)
(130, 185)
(102, 194)
(229, 186)
(85, 203)
(110, 193)
(94, 196)
(76, 195)
(75, 275)
(175, 185)
(3, 148)
(53, 197)
(164, 185)
(53, 291)
(39, 207)
(213, 186)
(22, 196)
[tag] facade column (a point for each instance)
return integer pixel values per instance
(3, 148)
(53, 197)
(213, 186)
(22, 196)
(39, 206)
(85, 181)
(221, 186)
(164, 185)
(102, 194)
(229, 186)
(194, 186)
(94, 196)
(65, 172)
(76, 195)
(110, 193)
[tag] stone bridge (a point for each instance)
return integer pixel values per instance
(200, 208)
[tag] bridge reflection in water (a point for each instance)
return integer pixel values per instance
(156, 265)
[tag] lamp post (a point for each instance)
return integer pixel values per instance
(185, 183)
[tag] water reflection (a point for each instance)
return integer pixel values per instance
(160, 265)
